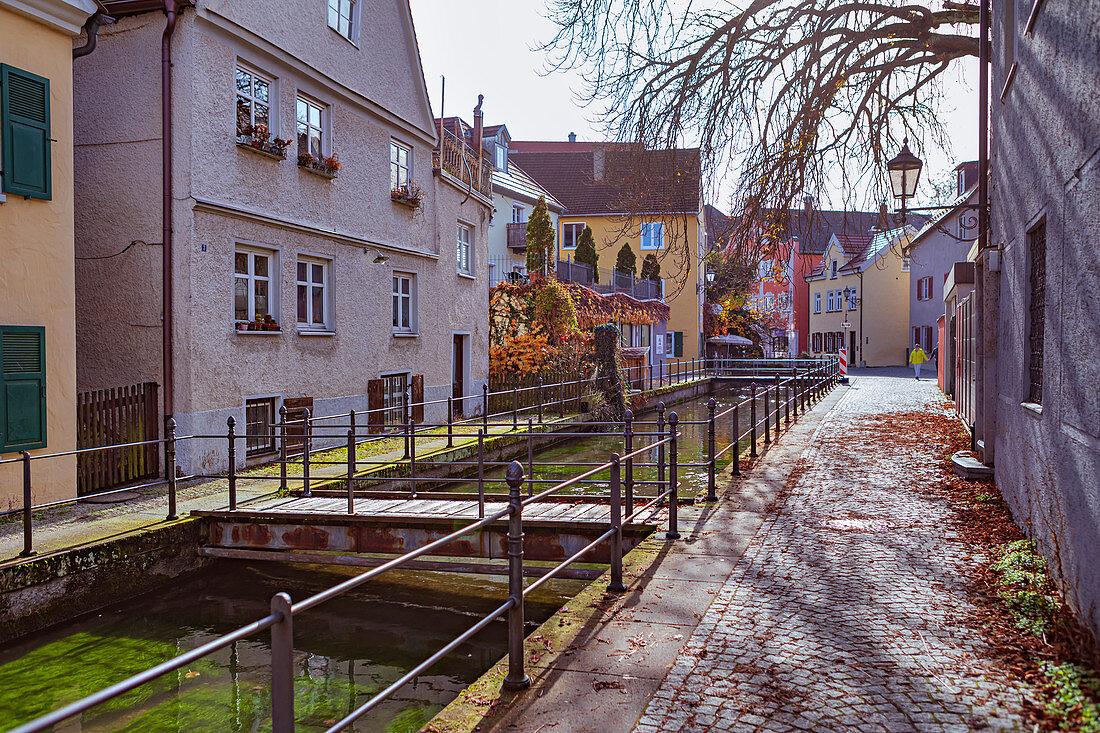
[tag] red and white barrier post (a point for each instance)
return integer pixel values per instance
(843, 366)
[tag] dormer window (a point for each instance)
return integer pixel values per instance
(342, 18)
(501, 157)
(833, 270)
(961, 185)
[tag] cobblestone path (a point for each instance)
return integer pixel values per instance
(843, 614)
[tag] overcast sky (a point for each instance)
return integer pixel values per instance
(484, 47)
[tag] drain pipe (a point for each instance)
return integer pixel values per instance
(91, 28)
(172, 10)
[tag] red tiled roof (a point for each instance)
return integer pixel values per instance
(631, 180)
(854, 245)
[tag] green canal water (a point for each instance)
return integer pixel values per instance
(345, 651)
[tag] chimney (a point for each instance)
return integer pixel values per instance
(597, 162)
(478, 117)
(572, 137)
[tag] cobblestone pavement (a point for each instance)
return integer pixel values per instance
(844, 612)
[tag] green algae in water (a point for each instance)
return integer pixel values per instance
(345, 652)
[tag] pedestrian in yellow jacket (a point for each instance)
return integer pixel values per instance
(916, 358)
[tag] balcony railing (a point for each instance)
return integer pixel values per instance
(464, 163)
(617, 281)
(517, 236)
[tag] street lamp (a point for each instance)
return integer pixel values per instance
(710, 277)
(904, 171)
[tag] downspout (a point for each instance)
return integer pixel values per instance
(91, 29)
(171, 10)
(984, 420)
(862, 295)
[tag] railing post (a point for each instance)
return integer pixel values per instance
(450, 424)
(170, 466)
(673, 496)
(616, 584)
(767, 416)
(661, 448)
(481, 474)
(787, 404)
(282, 448)
(351, 471)
(628, 447)
(28, 534)
(517, 678)
(752, 420)
(412, 458)
(282, 666)
(515, 409)
(794, 393)
(538, 396)
(777, 410)
(307, 430)
(530, 460)
(737, 441)
(561, 399)
(485, 407)
(711, 482)
(231, 423)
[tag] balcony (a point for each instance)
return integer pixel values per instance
(619, 281)
(517, 236)
(462, 162)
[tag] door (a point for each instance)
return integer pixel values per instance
(852, 349)
(458, 386)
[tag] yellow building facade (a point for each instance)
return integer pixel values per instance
(682, 234)
(859, 299)
(37, 310)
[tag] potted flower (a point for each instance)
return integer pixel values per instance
(323, 166)
(258, 137)
(269, 323)
(409, 194)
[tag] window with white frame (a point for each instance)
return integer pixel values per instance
(253, 102)
(500, 157)
(404, 302)
(670, 344)
(254, 293)
(653, 235)
(626, 335)
(960, 185)
(767, 303)
(400, 156)
(833, 270)
(570, 233)
(817, 302)
(342, 17)
(643, 333)
(394, 391)
(905, 264)
(311, 127)
(519, 214)
(465, 259)
(829, 302)
(852, 299)
(314, 293)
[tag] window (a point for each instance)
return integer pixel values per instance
(22, 388)
(643, 335)
(311, 136)
(25, 133)
(816, 343)
(817, 303)
(519, 214)
(259, 430)
(829, 303)
(962, 234)
(924, 288)
(927, 341)
(404, 303)
(626, 335)
(500, 157)
(395, 387)
(253, 102)
(314, 291)
(341, 17)
(852, 299)
(905, 263)
(833, 270)
(399, 165)
(960, 184)
(830, 343)
(464, 259)
(253, 293)
(669, 343)
(570, 233)
(653, 235)
(767, 303)
(1037, 250)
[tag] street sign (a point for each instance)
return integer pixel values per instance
(845, 325)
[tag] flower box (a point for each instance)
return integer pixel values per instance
(324, 167)
(258, 139)
(408, 195)
(263, 325)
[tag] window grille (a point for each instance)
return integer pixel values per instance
(1037, 248)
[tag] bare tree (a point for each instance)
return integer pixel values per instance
(797, 94)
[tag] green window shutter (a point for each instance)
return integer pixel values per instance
(22, 388)
(25, 132)
(677, 343)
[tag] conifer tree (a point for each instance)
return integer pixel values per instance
(627, 260)
(651, 268)
(586, 253)
(540, 238)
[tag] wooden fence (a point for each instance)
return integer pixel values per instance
(110, 417)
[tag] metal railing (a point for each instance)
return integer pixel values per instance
(781, 398)
(611, 281)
